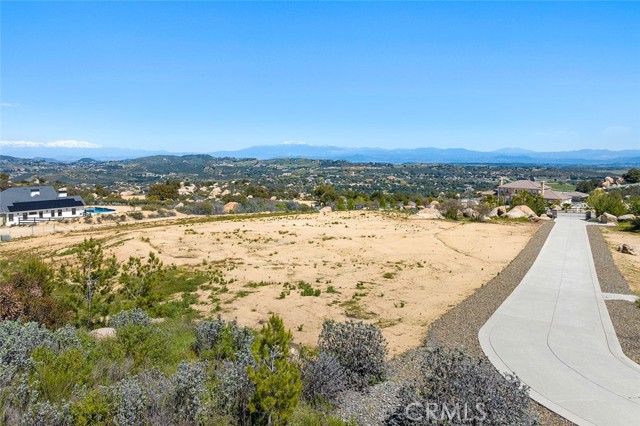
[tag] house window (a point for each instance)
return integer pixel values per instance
(32, 213)
(60, 212)
(40, 215)
(53, 213)
(73, 211)
(10, 217)
(24, 216)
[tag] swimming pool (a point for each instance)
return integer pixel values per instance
(99, 210)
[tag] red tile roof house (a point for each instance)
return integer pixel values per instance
(30, 204)
(508, 190)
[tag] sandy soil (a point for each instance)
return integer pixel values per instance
(628, 265)
(400, 273)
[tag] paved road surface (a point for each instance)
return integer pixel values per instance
(555, 333)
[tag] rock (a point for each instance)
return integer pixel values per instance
(515, 214)
(434, 204)
(103, 333)
(544, 216)
(498, 211)
(273, 198)
(526, 210)
(179, 205)
(326, 210)
(627, 249)
(215, 192)
(230, 207)
(608, 218)
(157, 320)
(609, 179)
(429, 214)
(627, 217)
(469, 212)
(606, 184)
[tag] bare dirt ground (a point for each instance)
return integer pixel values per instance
(628, 265)
(385, 268)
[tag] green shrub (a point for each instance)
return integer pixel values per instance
(276, 377)
(146, 346)
(58, 373)
(605, 202)
(93, 409)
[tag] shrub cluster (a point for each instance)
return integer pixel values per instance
(323, 379)
(133, 316)
(360, 349)
(451, 380)
(218, 339)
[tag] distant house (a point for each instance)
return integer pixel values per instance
(29, 204)
(508, 190)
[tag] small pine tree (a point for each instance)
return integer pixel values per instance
(277, 379)
(92, 279)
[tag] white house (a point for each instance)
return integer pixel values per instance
(30, 204)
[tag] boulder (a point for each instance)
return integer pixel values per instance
(609, 179)
(157, 320)
(526, 210)
(515, 214)
(230, 207)
(103, 333)
(626, 217)
(627, 249)
(326, 210)
(544, 216)
(469, 212)
(498, 211)
(608, 218)
(429, 214)
(434, 204)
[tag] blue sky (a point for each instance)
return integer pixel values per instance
(206, 76)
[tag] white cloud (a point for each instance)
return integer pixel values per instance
(53, 144)
(8, 105)
(617, 131)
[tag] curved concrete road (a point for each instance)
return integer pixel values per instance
(555, 334)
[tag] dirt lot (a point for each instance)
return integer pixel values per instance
(629, 265)
(385, 268)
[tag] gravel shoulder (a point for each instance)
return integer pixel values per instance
(609, 276)
(458, 328)
(625, 316)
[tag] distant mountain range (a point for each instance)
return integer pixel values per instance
(359, 155)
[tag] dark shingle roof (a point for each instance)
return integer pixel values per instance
(19, 199)
(46, 204)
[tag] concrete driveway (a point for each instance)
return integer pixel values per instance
(555, 334)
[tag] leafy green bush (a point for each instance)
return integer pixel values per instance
(605, 202)
(533, 201)
(146, 346)
(58, 373)
(93, 409)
